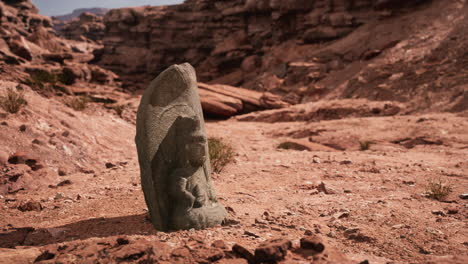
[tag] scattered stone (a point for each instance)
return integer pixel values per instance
(46, 255)
(37, 142)
(316, 159)
(65, 134)
(356, 235)
(314, 243)
(438, 212)
(464, 196)
(452, 210)
(63, 183)
(322, 188)
(122, 241)
(219, 244)
(110, 165)
(62, 172)
(22, 128)
(347, 191)
(272, 251)
(30, 206)
(248, 233)
(243, 253)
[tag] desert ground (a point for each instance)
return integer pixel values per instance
(367, 165)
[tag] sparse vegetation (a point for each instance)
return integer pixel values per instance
(12, 101)
(221, 154)
(41, 79)
(365, 145)
(119, 109)
(78, 103)
(438, 190)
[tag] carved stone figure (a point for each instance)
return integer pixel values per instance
(173, 154)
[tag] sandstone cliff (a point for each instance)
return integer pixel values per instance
(301, 50)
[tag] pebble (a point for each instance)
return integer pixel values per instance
(312, 242)
(316, 159)
(22, 128)
(464, 196)
(346, 162)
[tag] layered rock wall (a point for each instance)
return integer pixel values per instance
(227, 41)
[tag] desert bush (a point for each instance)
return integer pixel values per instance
(39, 79)
(77, 103)
(438, 190)
(221, 154)
(365, 145)
(119, 109)
(12, 101)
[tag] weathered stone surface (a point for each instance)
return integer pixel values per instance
(272, 251)
(172, 151)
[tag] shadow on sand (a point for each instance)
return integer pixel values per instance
(96, 227)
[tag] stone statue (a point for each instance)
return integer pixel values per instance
(173, 154)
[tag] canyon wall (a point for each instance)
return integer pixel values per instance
(231, 41)
(300, 50)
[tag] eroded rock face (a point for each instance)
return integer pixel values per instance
(172, 151)
(229, 42)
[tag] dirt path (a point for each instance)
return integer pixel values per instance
(370, 206)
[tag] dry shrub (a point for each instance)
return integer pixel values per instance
(365, 145)
(221, 154)
(438, 190)
(12, 101)
(78, 103)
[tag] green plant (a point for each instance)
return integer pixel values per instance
(365, 145)
(438, 190)
(221, 154)
(78, 103)
(12, 101)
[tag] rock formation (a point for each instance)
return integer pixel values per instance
(172, 151)
(242, 42)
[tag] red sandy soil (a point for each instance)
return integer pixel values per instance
(371, 206)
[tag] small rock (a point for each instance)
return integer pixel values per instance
(62, 172)
(30, 206)
(219, 244)
(4, 123)
(248, 233)
(272, 251)
(122, 241)
(243, 253)
(65, 134)
(37, 142)
(22, 128)
(346, 162)
(63, 183)
(452, 210)
(316, 159)
(438, 212)
(347, 191)
(314, 243)
(110, 165)
(464, 196)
